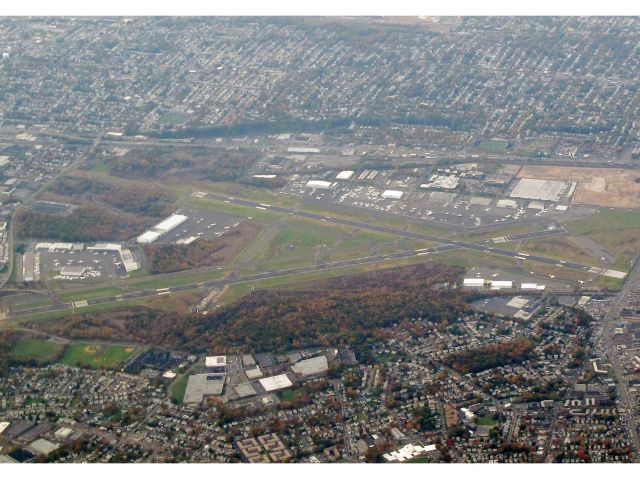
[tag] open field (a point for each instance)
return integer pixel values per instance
(97, 356)
(558, 247)
(596, 186)
(38, 350)
(88, 294)
(492, 146)
(31, 302)
(616, 230)
(536, 148)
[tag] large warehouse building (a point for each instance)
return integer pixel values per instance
(161, 228)
(545, 190)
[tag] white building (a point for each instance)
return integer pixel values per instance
(473, 282)
(323, 185)
(344, 175)
(392, 194)
(275, 383)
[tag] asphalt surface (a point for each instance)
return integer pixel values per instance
(607, 339)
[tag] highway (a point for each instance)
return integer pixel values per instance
(606, 339)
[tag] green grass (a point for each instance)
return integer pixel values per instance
(38, 350)
(491, 146)
(178, 279)
(101, 167)
(96, 356)
(559, 248)
(288, 395)
(174, 118)
(178, 388)
(90, 294)
(36, 303)
(419, 460)
(229, 208)
(487, 421)
(616, 230)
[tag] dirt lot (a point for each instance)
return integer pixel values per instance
(596, 186)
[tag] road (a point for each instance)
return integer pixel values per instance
(607, 340)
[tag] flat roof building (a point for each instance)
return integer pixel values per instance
(275, 383)
(311, 367)
(200, 386)
(323, 185)
(73, 271)
(392, 194)
(535, 189)
(148, 237)
(244, 390)
(170, 223)
(214, 361)
(344, 175)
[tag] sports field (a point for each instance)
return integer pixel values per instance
(97, 356)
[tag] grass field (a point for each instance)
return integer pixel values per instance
(97, 356)
(616, 230)
(174, 118)
(178, 388)
(34, 303)
(491, 146)
(487, 421)
(90, 294)
(39, 350)
(558, 248)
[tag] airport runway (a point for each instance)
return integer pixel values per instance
(444, 244)
(292, 271)
(483, 246)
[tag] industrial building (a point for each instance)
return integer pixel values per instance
(276, 383)
(495, 285)
(162, 228)
(200, 386)
(244, 390)
(534, 189)
(51, 247)
(408, 452)
(473, 282)
(311, 367)
(148, 237)
(215, 361)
